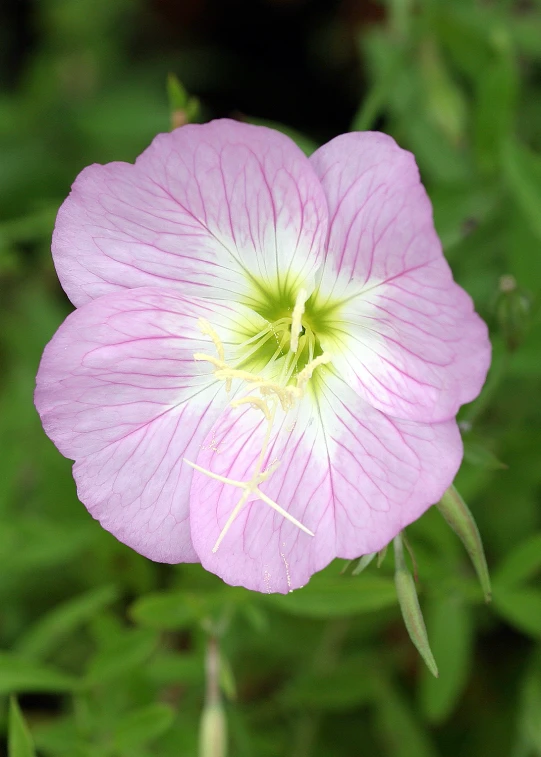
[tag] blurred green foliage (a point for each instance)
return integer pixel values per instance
(105, 649)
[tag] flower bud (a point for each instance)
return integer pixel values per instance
(213, 731)
(458, 516)
(409, 605)
(184, 109)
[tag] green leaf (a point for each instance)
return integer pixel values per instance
(445, 102)
(458, 516)
(166, 668)
(521, 564)
(449, 624)
(521, 608)
(50, 630)
(173, 610)
(495, 103)
(399, 729)
(127, 652)
(142, 725)
(166, 610)
(522, 169)
(62, 736)
(376, 98)
(409, 605)
(529, 721)
(327, 597)
(31, 227)
(18, 674)
(19, 739)
(477, 454)
(347, 685)
(464, 33)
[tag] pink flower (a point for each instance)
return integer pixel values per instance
(287, 327)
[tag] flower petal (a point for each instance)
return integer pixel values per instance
(351, 475)
(206, 209)
(119, 392)
(407, 337)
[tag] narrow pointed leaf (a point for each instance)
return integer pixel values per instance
(17, 674)
(458, 516)
(409, 605)
(19, 739)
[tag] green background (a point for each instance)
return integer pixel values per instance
(104, 649)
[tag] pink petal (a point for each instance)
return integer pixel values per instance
(204, 209)
(119, 392)
(410, 342)
(351, 475)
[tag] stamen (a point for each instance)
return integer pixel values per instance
(280, 349)
(227, 372)
(296, 319)
(207, 329)
(262, 341)
(306, 374)
(210, 359)
(255, 402)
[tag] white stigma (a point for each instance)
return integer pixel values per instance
(250, 487)
(296, 319)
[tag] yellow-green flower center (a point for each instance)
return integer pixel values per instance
(277, 306)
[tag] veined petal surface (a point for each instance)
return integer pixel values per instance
(212, 210)
(347, 472)
(119, 392)
(406, 336)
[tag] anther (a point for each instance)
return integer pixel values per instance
(306, 374)
(255, 402)
(207, 329)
